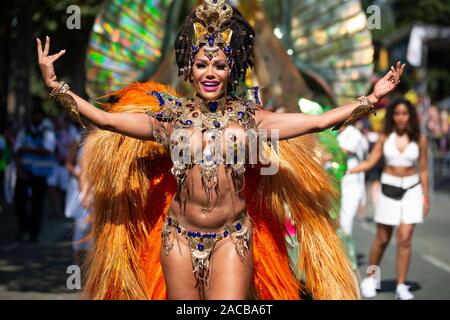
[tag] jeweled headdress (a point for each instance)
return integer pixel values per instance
(209, 30)
(214, 25)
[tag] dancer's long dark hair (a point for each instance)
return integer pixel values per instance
(413, 127)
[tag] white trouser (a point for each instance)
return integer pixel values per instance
(352, 190)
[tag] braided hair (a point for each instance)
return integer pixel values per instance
(242, 43)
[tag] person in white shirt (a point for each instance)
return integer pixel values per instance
(34, 156)
(58, 181)
(352, 143)
(77, 200)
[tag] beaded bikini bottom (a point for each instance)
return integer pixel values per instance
(202, 245)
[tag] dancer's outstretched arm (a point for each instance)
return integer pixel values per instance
(291, 125)
(136, 125)
(373, 158)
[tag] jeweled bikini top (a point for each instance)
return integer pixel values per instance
(212, 118)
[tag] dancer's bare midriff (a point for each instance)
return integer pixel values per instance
(222, 209)
(400, 171)
(230, 275)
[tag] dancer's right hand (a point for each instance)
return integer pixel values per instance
(46, 63)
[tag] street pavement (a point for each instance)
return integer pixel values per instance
(36, 271)
(39, 271)
(429, 272)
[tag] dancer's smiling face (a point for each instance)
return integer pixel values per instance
(210, 77)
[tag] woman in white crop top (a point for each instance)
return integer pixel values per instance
(403, 201)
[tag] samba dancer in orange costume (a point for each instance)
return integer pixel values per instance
(178, 221)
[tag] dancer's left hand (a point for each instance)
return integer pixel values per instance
(389, 82)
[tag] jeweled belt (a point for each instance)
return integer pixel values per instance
(201, 244)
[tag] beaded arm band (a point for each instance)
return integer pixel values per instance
(67, 101)
(365, 108)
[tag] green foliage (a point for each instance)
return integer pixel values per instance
(407, 12)
(435, 12)
(49, 17)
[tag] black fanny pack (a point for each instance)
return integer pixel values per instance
(394, 192)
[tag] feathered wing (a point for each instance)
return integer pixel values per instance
(302, 186)
(132, 188)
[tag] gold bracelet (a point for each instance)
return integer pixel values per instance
(67, 101)
(365, 108)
